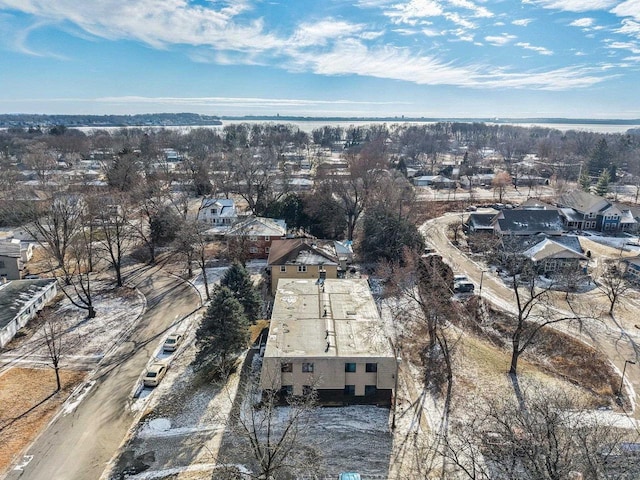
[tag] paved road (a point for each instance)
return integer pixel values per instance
(617, 338)
(79, 445)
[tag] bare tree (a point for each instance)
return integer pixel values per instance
(273, 432)
(500, 183)
(57, 340)
(612, 282)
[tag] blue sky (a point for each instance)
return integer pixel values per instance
(431, 58)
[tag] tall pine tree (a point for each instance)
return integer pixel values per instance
(222, 334)
(238, 280)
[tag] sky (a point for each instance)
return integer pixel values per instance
(418, 58)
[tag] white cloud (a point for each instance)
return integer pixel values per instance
(459, 20)
(540, 50)
(574, 5)
(582, 22)
(350, 57)
(629, 27)
(318, 33)
(628, 8)
(156, 23)
(477, 10)
(523, 22)
(631, 46)
(499, 40)
(414, 11)
(429, 32)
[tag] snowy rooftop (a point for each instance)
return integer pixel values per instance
(15, 294)
(308, 316)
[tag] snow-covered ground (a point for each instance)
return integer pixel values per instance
(88, 339)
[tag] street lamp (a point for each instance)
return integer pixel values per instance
(395, 388)
(623, 372)
(481, 277)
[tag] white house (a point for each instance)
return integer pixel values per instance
(20, 301)
(218, 212)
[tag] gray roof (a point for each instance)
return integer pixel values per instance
(10, 249)
(15, 294)
(529, 221)
(583, 201)
(481, 220)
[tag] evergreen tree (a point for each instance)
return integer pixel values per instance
(238, 280)
(585, 181)
(222, 334)
(602, 187)
(600, 158)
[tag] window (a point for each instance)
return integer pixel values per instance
(286, 367)
(267, 238)
(214, 211)
(253, 238)
(266, 249)
(302, 268)
(286, 390)
(283, 268)
(371, 367)
(307, 367)
(350, 367)
(253, 250)
(370, 390)
(349, 390)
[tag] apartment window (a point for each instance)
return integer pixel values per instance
(286, 367)
(267, 238)
(349, 390)
(350, 367)
(371, 367)
(253, 250)
(302, 268)
(266, 249)
(370, 390)
(286, 390)
(283, 268)
(253, 238)
(307, 367)
(214, 211)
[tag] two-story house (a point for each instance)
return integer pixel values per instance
(218, 212)
(252, 238)
(585, 211)
(302, 258)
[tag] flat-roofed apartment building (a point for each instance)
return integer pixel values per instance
(329, 336)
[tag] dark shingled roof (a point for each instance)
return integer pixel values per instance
(529, 221)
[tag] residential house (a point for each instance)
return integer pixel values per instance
(20, 301)
(550, 256)
(585, 211)
(328, 336)
(252, 237)
(13, 255)
(522, 222)
(435, 181)
(480, 222)
(302, 258)
(629, 218)
(478, 180)
(220, 213)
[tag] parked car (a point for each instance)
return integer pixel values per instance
(155, 374)
(460, 278)
(172, 342)
(463, 287)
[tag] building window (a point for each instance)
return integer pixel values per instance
(307, 367)
(283, 268)
(253, 250)
(370, 390)
(286, 367)
(266, 249)
(350, 367)
(349, 390)
(214, 211)
(286, 390)
(302, 268)
(267, 238)
(371, 367)
(253, 238)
